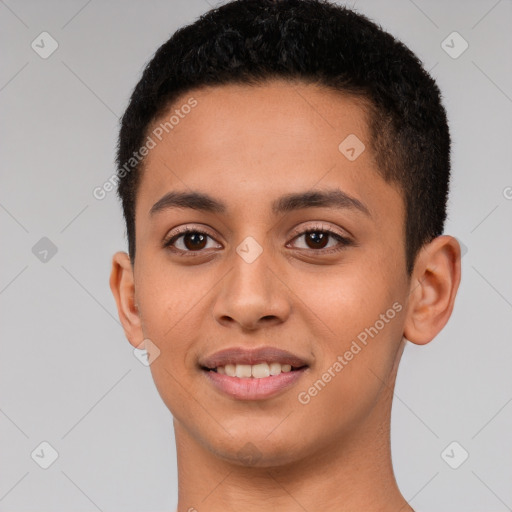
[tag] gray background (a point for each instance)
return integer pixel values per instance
(69, 377)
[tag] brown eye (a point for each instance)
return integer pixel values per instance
(189, 240)
(194, 241)
(316, 239)
(322, 240)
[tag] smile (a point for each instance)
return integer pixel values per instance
(253, 388)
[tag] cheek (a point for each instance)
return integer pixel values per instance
(348, 301)
(361, 321)
(168, 297)
(171, 319)
(168, 315)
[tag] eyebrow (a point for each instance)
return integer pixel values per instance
(332, 198)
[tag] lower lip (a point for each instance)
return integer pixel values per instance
(251, 388)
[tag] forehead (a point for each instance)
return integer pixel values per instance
(291, 119)
(248, 143)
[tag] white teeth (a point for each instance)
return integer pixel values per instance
(243, 370)
(259, 371)
(230, 370)
(256, 371)
(275, 368)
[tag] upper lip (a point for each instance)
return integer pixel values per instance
(241, 355)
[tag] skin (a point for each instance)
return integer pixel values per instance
(247, 146)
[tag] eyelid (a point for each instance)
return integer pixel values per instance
(186, 228)
(319, 226)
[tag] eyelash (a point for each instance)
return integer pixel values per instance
(343, 241)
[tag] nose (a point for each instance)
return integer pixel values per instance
(253, 295)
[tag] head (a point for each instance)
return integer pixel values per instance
(270, 109)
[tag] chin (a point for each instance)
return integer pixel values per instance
(252, 448)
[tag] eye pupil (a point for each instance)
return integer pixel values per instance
(319, 239)
(197, 241)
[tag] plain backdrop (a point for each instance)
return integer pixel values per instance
(69, 377)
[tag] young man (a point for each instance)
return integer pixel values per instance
(283, 170)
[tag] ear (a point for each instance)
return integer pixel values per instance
(123, 289)
(434, 284)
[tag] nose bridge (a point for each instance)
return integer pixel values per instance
(251, 291)
(251, 273)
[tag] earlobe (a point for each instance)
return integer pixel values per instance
(123, 288)
(434, 285)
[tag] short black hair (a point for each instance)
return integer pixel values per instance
(314, 41)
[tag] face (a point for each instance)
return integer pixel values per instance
(298, 247)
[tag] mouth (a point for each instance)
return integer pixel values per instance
(255, 374)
